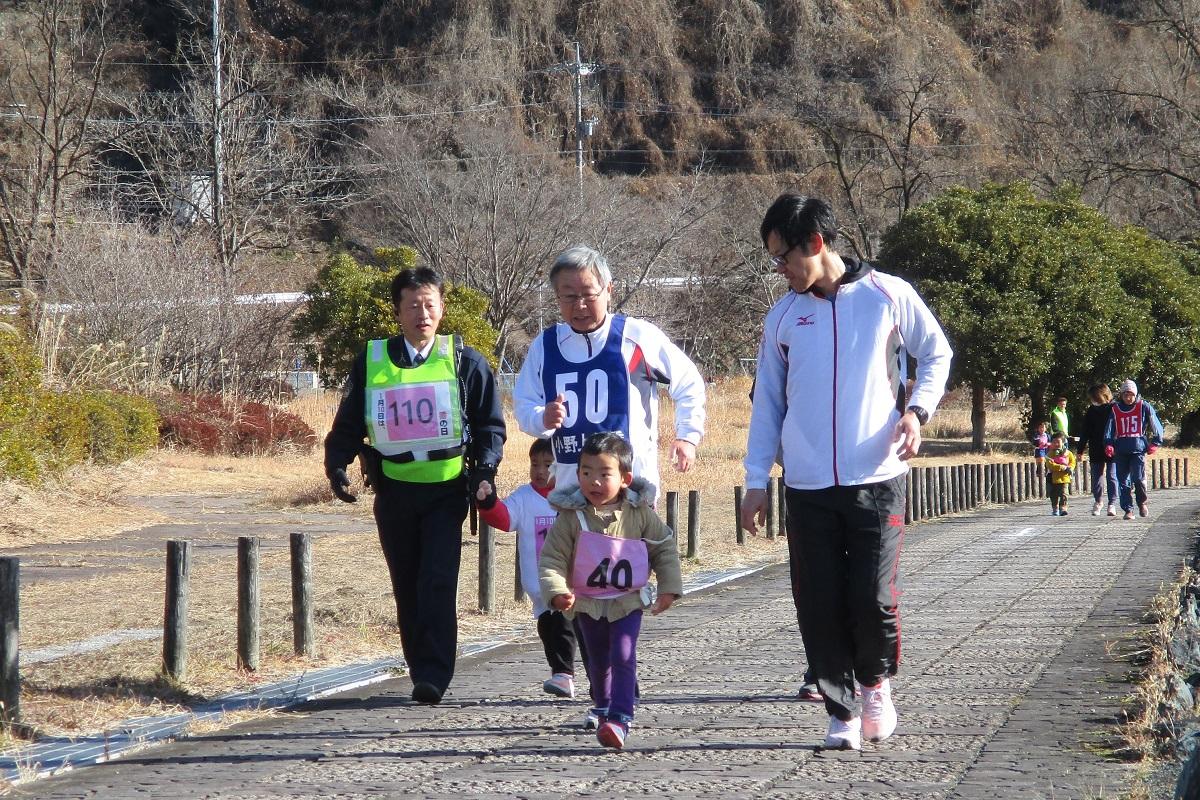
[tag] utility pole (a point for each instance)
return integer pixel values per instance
(583, 128)
(216, 145)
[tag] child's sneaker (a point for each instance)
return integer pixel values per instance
(844, 735)
(1096, 508)
(1129, 514)
(1054, 512)
(1144, 509)
(612, 734)
(560, 684)
(595, 718)
(879, 714)
(1062, 512)
(1112, 510)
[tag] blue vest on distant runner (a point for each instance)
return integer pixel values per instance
(596, 391)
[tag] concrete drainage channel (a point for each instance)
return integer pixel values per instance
(57, 754)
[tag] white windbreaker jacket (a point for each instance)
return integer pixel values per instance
(653, 360)
(831, 377)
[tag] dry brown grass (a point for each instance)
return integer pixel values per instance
(355, 615)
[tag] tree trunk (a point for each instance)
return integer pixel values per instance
(978, 418)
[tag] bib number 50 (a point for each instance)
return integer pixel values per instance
(595, 396)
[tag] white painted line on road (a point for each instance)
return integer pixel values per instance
(1021, 534)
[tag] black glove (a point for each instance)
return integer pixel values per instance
(480, 473)
(339, 482)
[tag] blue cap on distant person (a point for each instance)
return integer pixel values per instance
(1128, 386)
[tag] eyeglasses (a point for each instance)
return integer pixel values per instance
(573, 299)
(781, 259)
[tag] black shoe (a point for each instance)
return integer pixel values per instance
(426, 693)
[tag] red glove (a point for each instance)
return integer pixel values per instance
(1150, 450)
(1108, 451)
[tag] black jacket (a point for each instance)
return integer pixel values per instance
(481, 405)
(1095, 419)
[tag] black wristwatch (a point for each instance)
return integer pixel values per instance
(921, 414)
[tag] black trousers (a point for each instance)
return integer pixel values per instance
(558, 640)
(847, 541)
(420, 531)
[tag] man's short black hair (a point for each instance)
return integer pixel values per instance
(415, 279)
(610, 443)
(541, 446)
(796, 217)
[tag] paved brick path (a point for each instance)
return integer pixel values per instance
(1007, 690)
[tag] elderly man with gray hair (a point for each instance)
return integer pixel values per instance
(598, 371)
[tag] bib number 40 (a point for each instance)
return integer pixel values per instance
(619, 578)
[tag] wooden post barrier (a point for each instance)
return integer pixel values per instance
(923, 491)
(473, 519)
(487, 568)
(908, 496)
(955, 495)
(1186, 481)
(247, 613)
(673, 512)
(303, 635)
(781, 498)
(10, 628)
(940, 497)
(1012, 481)
(518, 589)
(935, 492)
(930, 493)
(770, 509)
(179, 569)
(914, 492)
(693, 523)
(737, 515)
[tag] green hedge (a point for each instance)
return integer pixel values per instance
(43, 432)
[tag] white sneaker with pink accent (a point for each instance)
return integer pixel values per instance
(879, 715)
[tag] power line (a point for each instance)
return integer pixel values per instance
(445, 57)
(133, 121)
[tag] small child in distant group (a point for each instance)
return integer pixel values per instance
(528, 512)
(595, 567)
(1041, 442)
(1061, 465)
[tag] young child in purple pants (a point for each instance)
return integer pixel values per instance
(595, 567)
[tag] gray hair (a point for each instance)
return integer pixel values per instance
(579, 258)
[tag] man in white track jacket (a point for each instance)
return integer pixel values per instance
(830, 394)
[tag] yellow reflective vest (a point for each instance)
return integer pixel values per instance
(414, 414)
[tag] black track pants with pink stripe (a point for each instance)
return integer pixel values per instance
(846, 541)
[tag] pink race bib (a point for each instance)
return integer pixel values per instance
(606, 567)
(541, 526)
(413, 412)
